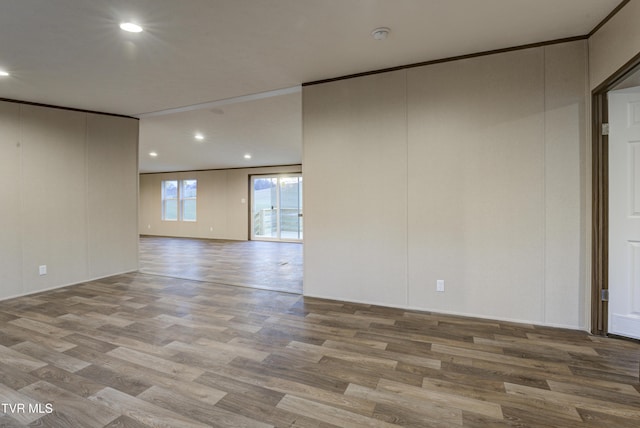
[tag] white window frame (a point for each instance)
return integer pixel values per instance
(166, 199)
(190, 198)
(179, 200)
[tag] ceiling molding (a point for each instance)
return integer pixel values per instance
(449, 59)
(228, 169)
(30, 103)
(608, 17)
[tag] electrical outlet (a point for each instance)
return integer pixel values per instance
(211, 229)
(42, 269)
(148, 226)
(440, 285)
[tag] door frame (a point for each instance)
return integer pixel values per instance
(600, 196)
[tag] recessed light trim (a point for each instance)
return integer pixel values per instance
(247, 156)
(4, 73)
(153, 154)
(199, 137)
(130, 27)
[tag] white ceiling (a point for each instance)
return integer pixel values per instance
(268, 129)
(72, 53)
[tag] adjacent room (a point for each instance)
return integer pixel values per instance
(319, 214)
(221, 192)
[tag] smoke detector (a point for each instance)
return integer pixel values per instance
(380, 33)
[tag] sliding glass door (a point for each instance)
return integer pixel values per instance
(276, 207)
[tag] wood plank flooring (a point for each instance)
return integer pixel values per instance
(256, 264)
(140, 350)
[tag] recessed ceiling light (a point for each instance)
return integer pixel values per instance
(153, 154)
(199, 137)
(380, 33)
(247, 156)
(131, 27)
(4, 73)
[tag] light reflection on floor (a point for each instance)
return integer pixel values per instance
(257, 264)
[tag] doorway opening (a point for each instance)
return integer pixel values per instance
(615, 270)
(276, 208)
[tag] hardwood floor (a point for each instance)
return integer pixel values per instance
(140, 350)
(256, 264)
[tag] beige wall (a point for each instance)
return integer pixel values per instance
(112, 171)
(469, 171)
(10, 195)
(221, 212)
(70, 189)
(615, 43)
(355, 172)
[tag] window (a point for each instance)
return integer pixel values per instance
(179, 200)
(188, 191)
(170, 200)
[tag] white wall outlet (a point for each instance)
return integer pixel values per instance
(211, 229)
(42, 270)
(243, 201)
(148, 226)
(440, 285)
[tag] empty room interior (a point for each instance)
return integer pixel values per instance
(284, 213)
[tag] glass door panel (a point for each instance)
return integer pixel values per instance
(265, 201)
(291, 208)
